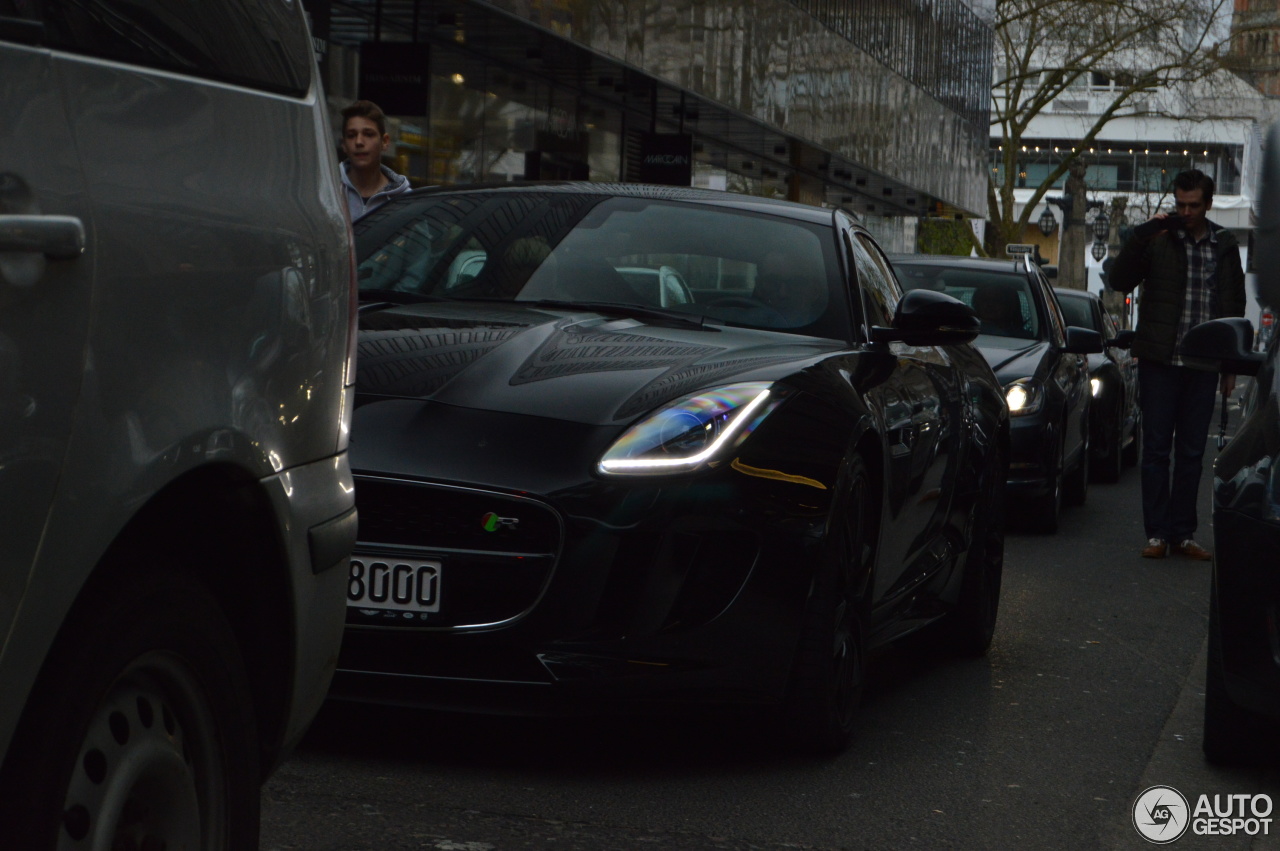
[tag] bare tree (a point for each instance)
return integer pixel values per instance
(1129, 57)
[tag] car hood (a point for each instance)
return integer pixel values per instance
(559, 363)
(1010, 358)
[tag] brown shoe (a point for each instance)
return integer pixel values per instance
(1191, 549)
(1156, 548)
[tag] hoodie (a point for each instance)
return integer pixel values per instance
(357, 205)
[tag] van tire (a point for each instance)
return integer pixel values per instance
(140, 731)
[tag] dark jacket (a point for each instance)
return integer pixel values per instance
(1159, 264)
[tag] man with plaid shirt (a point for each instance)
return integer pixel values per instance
(1190, 272)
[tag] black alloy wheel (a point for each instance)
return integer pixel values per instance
(971, 626)
(1132, 453)
(1108, 460)
(1044, 512)
(828, 674)
(1075, 485)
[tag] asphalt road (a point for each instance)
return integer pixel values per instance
(1092, 692)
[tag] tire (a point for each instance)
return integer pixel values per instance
(828, 674)
(1044, 512)
(970, 627)
(1232, 735)
(1109, 463)
(1075, 485)
(1133, 452)
(140, 731)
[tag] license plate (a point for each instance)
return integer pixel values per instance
(397, 584)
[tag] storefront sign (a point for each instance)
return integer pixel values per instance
(667, 159)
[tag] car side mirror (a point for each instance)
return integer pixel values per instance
(1123, 340)
(929, 318)
(1082, 341)
(1228, 341)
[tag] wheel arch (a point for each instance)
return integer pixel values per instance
(220, 523)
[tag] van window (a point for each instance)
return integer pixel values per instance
(260, 44)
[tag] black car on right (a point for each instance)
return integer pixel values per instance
(1115, 420)
(1040, 361)
(1242, 679)
(1242, 676)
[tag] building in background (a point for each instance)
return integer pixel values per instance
(877, 107)
(1213, 125)
(1255, 44)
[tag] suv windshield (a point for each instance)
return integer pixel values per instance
(729, 265)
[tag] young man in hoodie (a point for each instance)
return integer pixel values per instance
(366, 182)
(1189, 269)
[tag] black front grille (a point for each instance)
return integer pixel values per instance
(495, 552)
(416, 515)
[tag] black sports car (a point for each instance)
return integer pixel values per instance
(1115, 437)
(1041, 362)
(619, 445)
(1242, 679)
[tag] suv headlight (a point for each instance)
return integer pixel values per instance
(1024, 396)
(694, 432)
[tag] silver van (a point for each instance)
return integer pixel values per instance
(176, 336)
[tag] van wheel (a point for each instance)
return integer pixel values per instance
(140, 732)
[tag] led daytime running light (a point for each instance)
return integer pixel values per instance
(741, 421)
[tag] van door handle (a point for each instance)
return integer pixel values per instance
(56, 237)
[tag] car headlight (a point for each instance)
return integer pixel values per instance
(693, 432)
(1095, 384)
(1024, 396)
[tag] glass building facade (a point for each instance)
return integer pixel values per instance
(877, 106)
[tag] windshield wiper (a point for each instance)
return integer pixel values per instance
(630, 311)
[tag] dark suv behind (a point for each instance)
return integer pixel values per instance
(175, 336)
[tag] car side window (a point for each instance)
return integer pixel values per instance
(880, 292)
(1057, 325)
(1109, 327)
(262, 44)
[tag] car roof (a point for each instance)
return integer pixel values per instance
(715, 197)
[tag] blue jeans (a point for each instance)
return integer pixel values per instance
(1177, 407)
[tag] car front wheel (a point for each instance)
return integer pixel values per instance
(140, 732)
(1044, 511)
(830, 664)
(1108, 461)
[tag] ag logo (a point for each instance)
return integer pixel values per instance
(1161, 814)
(492, 523)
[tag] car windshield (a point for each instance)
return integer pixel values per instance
(1003, 301)
(1078, 312)
(733, 266)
